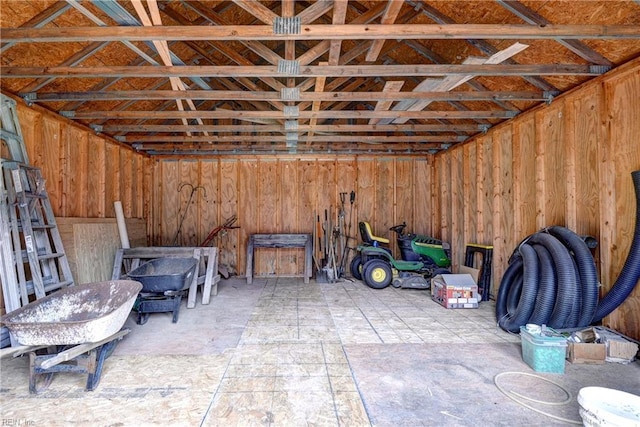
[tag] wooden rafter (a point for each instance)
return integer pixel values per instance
(321, 32)
(308, 71)
(258, 95)
(468, 128)
(390, 13)
(324, 114)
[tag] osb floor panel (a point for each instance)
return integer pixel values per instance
(282, 353)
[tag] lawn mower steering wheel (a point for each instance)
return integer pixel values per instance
(399, 228)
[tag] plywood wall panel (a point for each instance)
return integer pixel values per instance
(404, 185)
(385, 187)
(190, 194)
(552, 174)
(622, 100)
(126, 181)
(74, 172)
(50, 144)
(422, 202)
(228, 241)
(470, 193)
(457, 206)
(503, 220)
(524, 175)
(289, 261)
(266, 259)
(248, 212)
(112, 188)
(169, 203)
(583, 117)
(567, 163)
(96, 179)
(366, 192)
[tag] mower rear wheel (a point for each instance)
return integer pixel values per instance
(356, 267)
(377, 274)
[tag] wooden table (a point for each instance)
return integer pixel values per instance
(281, 241)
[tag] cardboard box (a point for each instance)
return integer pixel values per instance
(455, 291)
(620, 349)
(587, 353)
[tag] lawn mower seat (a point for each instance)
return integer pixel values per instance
(368, 237)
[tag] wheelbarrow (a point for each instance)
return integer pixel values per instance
(77, 327)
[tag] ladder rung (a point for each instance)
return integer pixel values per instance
(50, 256)
(48, 285)
(42, 226)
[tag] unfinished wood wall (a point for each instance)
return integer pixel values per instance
(85, 173)
(286, 195)
(567, 164)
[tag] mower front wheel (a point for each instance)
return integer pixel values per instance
(356, 267)
(377, 274)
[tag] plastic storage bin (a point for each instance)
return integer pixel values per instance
(543, 353)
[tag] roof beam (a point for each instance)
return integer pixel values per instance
(389, 17)
(307, 71)
(229, 95)
(301, 128)
(324, 114)
(320, 32)
(315, 138)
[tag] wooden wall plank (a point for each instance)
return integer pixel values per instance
(229, 241)
(366, 192)
(551, 171)
(208, 204)
(265, 258)
(503, 222)
(470, 194)
(169, 203)
(622, 106)
(423, 210)
(248, 213)
(290, 261)
(524, 175)
(96, 178)
(74, 172)
(583, 115)
(112, 188)
(126, 182)
(385, 197)
(51, 154)
(457, 230)
(404, 185)
(190, 194)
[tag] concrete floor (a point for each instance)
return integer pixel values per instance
(283, 353)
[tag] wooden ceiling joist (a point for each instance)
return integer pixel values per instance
(324, 114)
(257, 95)
(371, 139)
(336, 128)
(436, 70)
(320, 32)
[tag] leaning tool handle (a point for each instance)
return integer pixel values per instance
(228, 225)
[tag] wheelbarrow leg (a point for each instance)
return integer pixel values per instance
(96, 361)
(34, 376)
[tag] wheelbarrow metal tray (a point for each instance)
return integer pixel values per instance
(165, 274)
(74, 315)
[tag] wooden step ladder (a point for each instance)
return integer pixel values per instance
(35, 234)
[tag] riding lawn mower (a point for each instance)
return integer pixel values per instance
(423, 257)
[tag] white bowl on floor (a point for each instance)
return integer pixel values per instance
(601, 406)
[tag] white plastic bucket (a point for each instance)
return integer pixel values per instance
(601, 406)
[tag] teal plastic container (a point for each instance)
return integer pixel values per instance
(542, 353)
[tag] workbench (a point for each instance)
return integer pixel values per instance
(281, 241)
